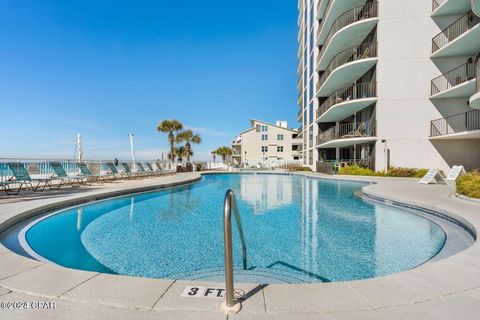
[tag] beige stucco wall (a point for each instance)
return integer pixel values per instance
(251, 145)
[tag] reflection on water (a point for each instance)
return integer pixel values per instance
(266, 192)
(79, 218)
(304, 229)
(175, 210)
(132, 208)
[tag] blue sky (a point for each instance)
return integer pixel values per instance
(106, 68)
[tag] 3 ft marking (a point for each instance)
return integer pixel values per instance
(203, 292)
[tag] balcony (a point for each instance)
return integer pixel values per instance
(346, 67)
(449, 7)
(347, 101)
(300, 115)
(300, 99)
(456, 83)
(322, 8)
(329, 11)
(347, 134)
(458, 39)
(349, 29)
(476, 7)
(464, 125)
(297, 141)
(475, 99)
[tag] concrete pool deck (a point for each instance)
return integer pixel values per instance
(445, 289)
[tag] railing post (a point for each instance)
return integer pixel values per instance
(230, 305)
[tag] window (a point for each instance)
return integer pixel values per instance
(264, 148)
(279, 148)
(257, 128)
(264, 128)
(264, 137)
(280, 137)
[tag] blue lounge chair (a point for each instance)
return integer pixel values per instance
(116, 174)
(61, 175)
(153, 171)
(141, 170)
(128, 173)
(21, 176)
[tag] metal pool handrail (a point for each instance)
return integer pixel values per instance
(231, 305)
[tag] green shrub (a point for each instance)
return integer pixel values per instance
(468, 184)
(420, 173)
(406, 172)
(355, 170)
(295, 167)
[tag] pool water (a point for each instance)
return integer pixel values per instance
(298, 229)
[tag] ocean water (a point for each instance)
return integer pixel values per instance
(297, 229)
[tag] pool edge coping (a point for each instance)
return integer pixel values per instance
(385, 280)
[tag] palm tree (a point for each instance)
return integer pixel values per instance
(170, 126)
(179, 152)
(224, 152)
(188, 137)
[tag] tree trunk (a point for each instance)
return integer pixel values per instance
(171, 139)
(187, 151)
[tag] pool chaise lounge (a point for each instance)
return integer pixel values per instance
(141, 170)
(128, 172)
(6, 186)
(62, 175)
(114, 171)
(153, 171)
(165, 171)
(21, 176)
(85, 172)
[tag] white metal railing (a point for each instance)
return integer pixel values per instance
(40, 168)
(477, 71)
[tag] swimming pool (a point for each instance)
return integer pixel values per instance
(298, 229)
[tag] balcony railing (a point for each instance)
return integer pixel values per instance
(462, 122)
(437, 3)
(348, 130)
(363, 51)
(453, 31)
(453, 78)
(477, 71)
(367, 11)
(356, 91)
(326, 11)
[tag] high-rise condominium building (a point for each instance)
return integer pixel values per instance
(389, 83)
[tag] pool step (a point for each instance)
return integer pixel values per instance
(256, 275)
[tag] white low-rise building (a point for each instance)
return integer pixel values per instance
(266, 145)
